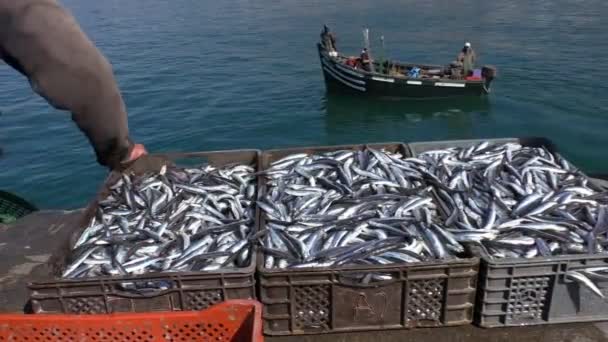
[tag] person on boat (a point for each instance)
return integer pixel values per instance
(466, 58)
(42, 41)
(328, 40)
(365, 60)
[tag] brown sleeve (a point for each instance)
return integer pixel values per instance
(45, 43)
(460, 57)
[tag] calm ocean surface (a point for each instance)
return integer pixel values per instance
(206, 75)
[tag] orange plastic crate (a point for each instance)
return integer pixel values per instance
(233, 320)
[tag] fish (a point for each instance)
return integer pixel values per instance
(177, 220)
(523, 202)
(375, 207)
(522, 193)
(582, 279)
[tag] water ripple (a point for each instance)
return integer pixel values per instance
(203, 75)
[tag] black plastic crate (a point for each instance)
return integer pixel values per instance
(516, 292)
(417, 148)
(324, 300)
(185, 290)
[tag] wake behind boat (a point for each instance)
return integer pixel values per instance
(367, 76)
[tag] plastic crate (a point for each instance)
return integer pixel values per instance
(516, 292)
(323, 300)
(417, 148)
(185, 290)
(236, 320)
(13, 207)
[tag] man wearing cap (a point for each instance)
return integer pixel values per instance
(366, 62)
(466, 58)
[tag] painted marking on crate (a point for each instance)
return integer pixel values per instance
(414, 82)
(444, 84)
(362, 304)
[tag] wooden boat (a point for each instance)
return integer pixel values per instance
(390, 79)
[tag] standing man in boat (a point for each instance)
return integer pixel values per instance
(44, 42)
(329, 41)
(467, 58)
(365, 60)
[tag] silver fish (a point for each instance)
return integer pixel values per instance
(582, 279)
(375, 205)
(181, 219)
(523, 193)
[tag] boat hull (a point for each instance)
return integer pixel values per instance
(342, 78)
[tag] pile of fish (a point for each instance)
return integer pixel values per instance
(518, 201)
(348, 207)
(515, 201)
(373, 207)
(363, 207)
(180, 219)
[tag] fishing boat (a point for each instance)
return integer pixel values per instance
(392, 79)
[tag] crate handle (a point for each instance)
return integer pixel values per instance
(367, 279)
(145, 288)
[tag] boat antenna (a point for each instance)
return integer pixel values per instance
(367, 45)
(382, 61)
(366, 38)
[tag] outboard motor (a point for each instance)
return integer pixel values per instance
(488, 72)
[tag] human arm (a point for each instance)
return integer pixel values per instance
(460, 57)
(45, 43)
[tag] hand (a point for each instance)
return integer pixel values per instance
(137, 151)
(140, 162)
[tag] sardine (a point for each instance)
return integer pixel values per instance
(381, 211)
(175, 220)
(535, 203)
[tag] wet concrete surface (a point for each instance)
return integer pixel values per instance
(25, 249)
(27, 245)
(564, 332)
